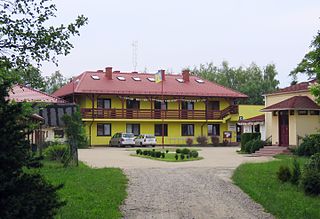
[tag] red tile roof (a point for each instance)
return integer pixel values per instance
(21, 93)
(84, 83)
(293, 103)
(303, 86)
(260, 118)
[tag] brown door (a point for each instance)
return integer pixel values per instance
(283, 128)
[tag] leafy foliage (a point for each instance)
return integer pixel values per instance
(54, 82)
(284, 174)
(252, 81)
(253, 145)
(202, 140)
(296, 172)
(309, 146)
(245, 137)
(22, 194)
(58, 152)
(189, 141)
(311, 175)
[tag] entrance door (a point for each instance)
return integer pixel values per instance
(283, 128)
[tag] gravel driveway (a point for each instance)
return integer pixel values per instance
(197, 189)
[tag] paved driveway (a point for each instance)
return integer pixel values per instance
(166, 190)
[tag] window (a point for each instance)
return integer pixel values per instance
(314, 112)
(133, 128)
(136, 78)
(257, 128)
(187, 130)
(213, 129)
(291, 112)
(158, 129)
(58, 133)
(275, 113)
(214, 105)
(95, 77)
(104, 103)
(180, 80)
(200, 81)
(302, 112)
(151, 79)
(133, 104)
(120, 78)
(104, 129)
(187, 105)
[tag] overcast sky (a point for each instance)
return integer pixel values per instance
(173, 34)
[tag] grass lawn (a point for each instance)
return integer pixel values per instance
(283, 200)
(168, 158)
(90, 193)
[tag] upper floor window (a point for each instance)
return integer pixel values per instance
(133, 104)
(214, 105)
(104, 103)
(187, 105)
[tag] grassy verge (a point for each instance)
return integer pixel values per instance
(283, 200)
(90, 193)
(169, 158)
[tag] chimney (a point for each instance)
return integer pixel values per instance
(163, 75)
(108, 73)
(99, 70)
(134, 72)
(186, 75)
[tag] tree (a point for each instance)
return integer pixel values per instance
(252, 81)
(310, 65)
(31, 76)
(25, 38)
(55, 81)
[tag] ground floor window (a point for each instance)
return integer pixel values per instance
(187, 129)
(133, 128)
(158, 129)
(257, 128)
(58, 133)
(213, 129)
(104, 129)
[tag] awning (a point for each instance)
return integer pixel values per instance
(257, 120)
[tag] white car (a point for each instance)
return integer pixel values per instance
(145, 140)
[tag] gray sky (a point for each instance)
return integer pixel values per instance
(175, 34)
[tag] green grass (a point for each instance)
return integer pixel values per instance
(90, 193)
(283, 200)
(163, 149)
(170, 157)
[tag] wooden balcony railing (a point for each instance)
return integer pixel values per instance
(88, 113)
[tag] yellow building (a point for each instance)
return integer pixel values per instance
(291, 113)
(111, 102)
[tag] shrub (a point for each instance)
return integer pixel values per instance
(152, 153)
(163, 155)
(189, 141)
(245, 137)
(185, 151)
(176, 156)
(182, 156)
(178, 151)
(202, 140)
(167, 151)
(188, 156)
(157, 154)
(296, 172)
(225, 142)
(309, 146)
(194, 153)
(215, 140)
(311, 176)
(146, 153)
(138, 151)
(284, 174)
(253, 145)
(57, 152)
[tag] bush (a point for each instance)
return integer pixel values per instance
(311, 176)
(57, 152)
(138, 151)
(167, 151)
(182, 156)
(185, 151)
(194, 154)
(178, 151)
(152, 153)
(296, 172)
(245, 137)
(189, 141)
(157, 154)
(284, 174)
(145, 153)
(253, 145)
(163, 155)
(176, 156)
(215, 140)
(202, 140)
(309, 146)
(188, 156)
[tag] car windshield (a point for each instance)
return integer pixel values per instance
(128, 135)
(150, 136)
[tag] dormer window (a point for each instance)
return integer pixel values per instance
(200, 81)
(120, 78)
(136, 78)
(180, 80)
(151, 79)
(95, 77)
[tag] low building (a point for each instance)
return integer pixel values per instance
(254, 124)
(290, 114)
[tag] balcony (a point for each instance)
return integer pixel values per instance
(89, 113)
